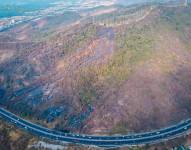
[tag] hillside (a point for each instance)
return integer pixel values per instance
(114, 72)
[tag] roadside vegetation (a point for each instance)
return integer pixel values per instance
(13, 139)
(120, 128)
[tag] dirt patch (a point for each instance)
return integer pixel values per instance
(5, 55)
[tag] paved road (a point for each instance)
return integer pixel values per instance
(101, 141)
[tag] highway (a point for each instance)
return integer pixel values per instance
(157, 136)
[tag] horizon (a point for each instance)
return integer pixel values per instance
(14, 8)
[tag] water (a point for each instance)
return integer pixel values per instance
(10, 8)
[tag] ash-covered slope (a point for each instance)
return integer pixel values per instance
(112, 72)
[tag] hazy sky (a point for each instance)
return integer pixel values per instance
(66, 1)
(73, 2)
